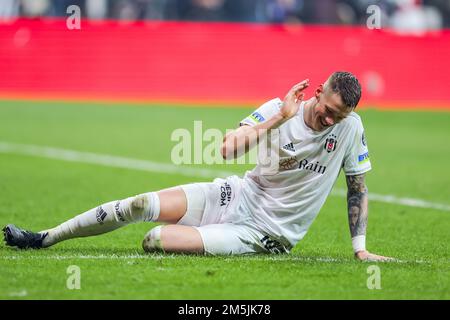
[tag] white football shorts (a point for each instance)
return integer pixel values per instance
(216, 210)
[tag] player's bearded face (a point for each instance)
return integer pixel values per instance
(328, 111)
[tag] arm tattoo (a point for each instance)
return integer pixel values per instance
(357, 205)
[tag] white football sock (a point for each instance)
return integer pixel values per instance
(105, 218)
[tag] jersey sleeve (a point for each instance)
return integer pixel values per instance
(357, 161)
(264, 112)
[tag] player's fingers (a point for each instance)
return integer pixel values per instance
(293, 96)
(388, 259)
(301, 85)
(296, 89)
(383, 258)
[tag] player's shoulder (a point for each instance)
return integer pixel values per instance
(272, 104)
(352, 120)
(354, 117)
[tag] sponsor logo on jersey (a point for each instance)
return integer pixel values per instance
(289, 163)
(330, 143)
(225, 194)
(289, 147)
(363, 157)
(100, 215)
(257, 117)
(363, 140)
(305, 164)
(312, 166)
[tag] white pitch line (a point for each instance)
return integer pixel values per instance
(108, 160)
(82, 257)
(21, 293)
(150, 166)
(281, 258)
(409, 202)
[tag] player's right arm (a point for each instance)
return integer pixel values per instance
(241, 140)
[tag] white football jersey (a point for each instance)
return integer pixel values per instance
(285, 204)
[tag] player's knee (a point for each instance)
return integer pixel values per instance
(143, 207)
(152, 240)
(139, 204)
(146, 206)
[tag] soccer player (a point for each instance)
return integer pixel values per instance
(259, 213)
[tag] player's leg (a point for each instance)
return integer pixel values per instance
(173, 238)
(215, 239)
(172, 204)
(106, 217)
(204, 228)
(184, 205)
(167, 205)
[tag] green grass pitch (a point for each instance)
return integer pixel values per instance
(409, 154)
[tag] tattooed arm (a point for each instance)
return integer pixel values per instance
(357, 205)
(357, 201)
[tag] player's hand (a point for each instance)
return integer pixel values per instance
(293, 99)
(370, 257)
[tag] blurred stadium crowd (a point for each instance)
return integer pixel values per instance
(399, 14)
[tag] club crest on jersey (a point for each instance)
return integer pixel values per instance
(330, 143)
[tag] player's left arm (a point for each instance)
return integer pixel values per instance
(357, 201)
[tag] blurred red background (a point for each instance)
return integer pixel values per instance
(218, 63)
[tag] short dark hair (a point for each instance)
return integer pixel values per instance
(348, 86)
